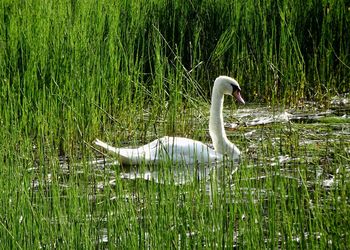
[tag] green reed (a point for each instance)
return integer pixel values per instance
(131, 71)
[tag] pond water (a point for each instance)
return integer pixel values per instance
(283, 152)
(314, 131)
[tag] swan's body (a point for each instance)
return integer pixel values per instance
(179, 149)
(174, 149)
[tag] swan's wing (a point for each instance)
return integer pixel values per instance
(180, 149)
(175, 149)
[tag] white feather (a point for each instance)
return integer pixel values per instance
(179, 149)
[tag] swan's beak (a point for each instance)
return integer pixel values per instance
(238, 96)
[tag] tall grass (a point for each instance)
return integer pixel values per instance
(130, 71)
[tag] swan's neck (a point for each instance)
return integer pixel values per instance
(216, 122)
(216, 126)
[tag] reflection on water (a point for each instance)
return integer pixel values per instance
(267, 138)
(276, 147)
(251, 122)
(257, 128)
(164, 174)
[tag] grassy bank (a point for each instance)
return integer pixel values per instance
(130, 71)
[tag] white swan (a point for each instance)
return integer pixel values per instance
(179, 149)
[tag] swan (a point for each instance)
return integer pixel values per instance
(179, 149)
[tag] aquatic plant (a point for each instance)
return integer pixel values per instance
(133, 71)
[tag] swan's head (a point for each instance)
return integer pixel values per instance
(229, 86)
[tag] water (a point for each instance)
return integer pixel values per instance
(286, 155)
(257, 124)
(259, 128)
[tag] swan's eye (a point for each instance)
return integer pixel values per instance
(236, 92)
(235, 88)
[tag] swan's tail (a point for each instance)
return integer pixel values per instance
(125, 156)
(106, 146)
